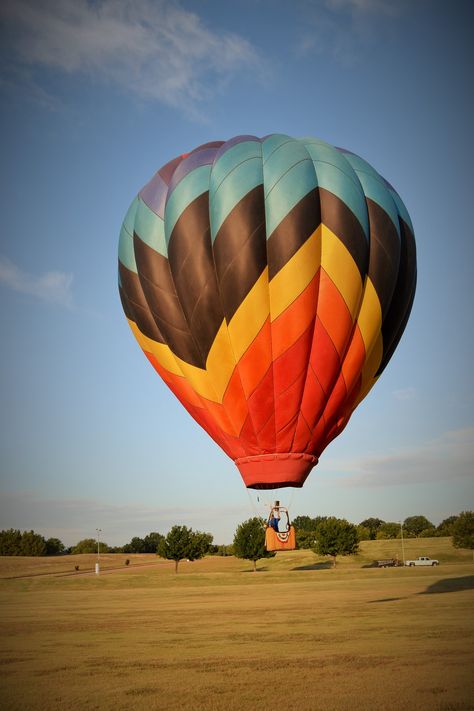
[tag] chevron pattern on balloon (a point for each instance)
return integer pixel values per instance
(268, 282)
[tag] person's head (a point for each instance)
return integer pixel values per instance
(277, 503)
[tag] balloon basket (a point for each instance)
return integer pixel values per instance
(281, 540)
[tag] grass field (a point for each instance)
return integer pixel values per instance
(296, 635)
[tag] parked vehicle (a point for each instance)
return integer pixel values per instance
(387, 563)
(422, 560)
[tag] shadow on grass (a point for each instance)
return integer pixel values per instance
(315, 566)
(387, 599)
(450, 585)
(441, 586)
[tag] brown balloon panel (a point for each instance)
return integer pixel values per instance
(269, 291)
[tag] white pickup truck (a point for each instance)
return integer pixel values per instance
(422, 560)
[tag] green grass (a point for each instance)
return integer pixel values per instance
(219, 637)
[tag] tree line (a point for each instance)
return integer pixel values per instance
(331, 536)
(325, 535)
(377, 529)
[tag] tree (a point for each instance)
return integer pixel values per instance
(373, 524)
(428, 533)
(136, 545)
(463, 531)
(13, 542)
(149, 544)
(414, 525)
(89, 545)
(336, 536)
(182, 543)
(54, 547)
(363, 533)
(304, 523)
(200, 545)
(224, 550)
(32, 544)
(390, 529)
(10, 542)
(306, 528)
(249, 541)
(445, 528)
(152, 541)
(305, 539)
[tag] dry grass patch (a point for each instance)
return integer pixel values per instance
(25, 566)
(214, 638)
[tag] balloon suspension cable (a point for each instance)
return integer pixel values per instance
(267, 505)
(252, 503)
(292, 496)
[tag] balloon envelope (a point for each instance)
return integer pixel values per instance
(268, 281)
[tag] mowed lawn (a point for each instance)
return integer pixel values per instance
(295, 635)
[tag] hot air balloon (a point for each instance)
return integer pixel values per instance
(268, 281)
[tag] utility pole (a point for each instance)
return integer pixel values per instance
(97, 565)
(403, 544)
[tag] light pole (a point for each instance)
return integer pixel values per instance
(97, 565)
(403, 544)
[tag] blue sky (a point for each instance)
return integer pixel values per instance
(95, 97)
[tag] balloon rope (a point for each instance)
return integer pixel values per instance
(290, 504)
(252, 503)
(267, 504)
(291, 498)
